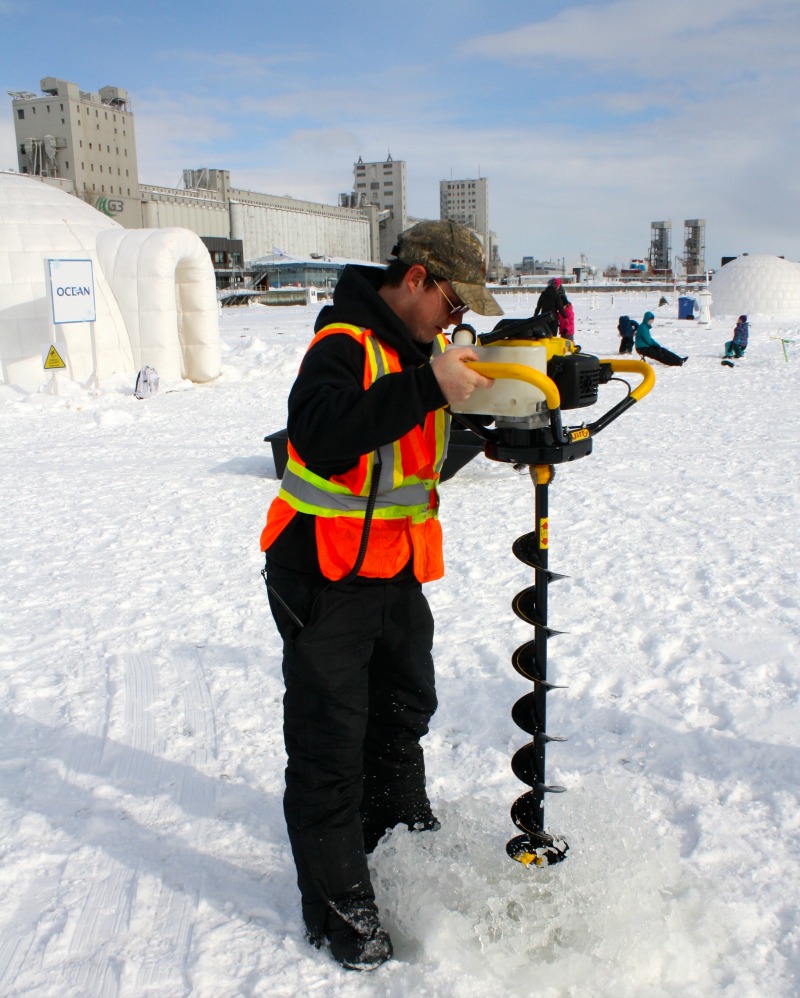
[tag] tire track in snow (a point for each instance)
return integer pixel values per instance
(25, 949)
(165, 966)
(197, 796)
(171, 915)
(169, 920)
(104, 917)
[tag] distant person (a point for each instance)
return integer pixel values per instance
(552, 299)
(626, 328)
(646, 346)
(735, 348)
(566, 323)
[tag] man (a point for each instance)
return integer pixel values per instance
(351, 537)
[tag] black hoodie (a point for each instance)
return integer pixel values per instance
(332, 419)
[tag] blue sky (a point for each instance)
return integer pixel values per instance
(591, 119)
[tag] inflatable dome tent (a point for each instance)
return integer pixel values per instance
(154, 291)
(758, 284)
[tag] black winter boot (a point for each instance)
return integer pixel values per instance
(357, 940)
(419, 818)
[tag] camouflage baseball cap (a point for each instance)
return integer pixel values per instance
(452, 253)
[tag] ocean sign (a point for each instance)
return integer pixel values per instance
(72, 291)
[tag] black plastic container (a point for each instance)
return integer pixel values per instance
(464, 445)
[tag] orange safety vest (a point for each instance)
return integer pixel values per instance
(405, 519)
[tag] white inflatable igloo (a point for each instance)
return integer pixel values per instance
(155, 294)
(758, 284)
(39, 222)
(164, 283)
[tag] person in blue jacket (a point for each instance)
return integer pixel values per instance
(736, 347)
(646, 346)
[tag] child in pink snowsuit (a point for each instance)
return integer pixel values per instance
(566, 322)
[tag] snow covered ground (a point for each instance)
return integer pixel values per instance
(141, 757)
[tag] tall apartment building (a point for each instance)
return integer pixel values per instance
(467, 202)
(384, 185)
(85, 139)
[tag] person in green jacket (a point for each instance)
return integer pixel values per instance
(646, 346)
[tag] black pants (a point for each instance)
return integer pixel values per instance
(625, 345)
(662, 355)
(359, 695)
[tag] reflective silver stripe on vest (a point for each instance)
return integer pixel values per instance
(312, 495)
(404, 495)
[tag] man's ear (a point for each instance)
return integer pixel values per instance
(415, 276)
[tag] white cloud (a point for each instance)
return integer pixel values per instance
(237, 66)
(630, 35)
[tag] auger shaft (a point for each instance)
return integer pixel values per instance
(535, 846)
(541, 475)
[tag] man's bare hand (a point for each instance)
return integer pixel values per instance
(456, 380)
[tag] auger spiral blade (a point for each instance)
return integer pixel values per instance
(526, 549)
(526, 813)
(525, 662)
(526, 715)
(526, 766)
(525, 606)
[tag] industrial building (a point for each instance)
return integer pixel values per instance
(694, 247)
(661, 249)
(84, 143)
(85, 140)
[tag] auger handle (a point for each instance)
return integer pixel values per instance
(519, 372)
(634, 367)
(648, 381)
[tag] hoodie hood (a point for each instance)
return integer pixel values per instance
(356, 302)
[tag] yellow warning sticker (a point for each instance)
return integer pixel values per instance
(53, 360)
(543, 533)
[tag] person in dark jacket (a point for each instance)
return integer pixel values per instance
(626, 328)
(736, 347)
(349, 540)
(646, 346)
(552, 299)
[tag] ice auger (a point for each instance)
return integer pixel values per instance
(538, 375)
